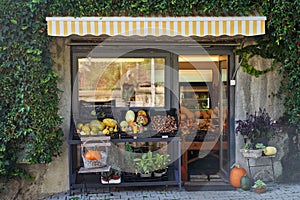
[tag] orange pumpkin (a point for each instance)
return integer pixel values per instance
(236, 174)
(93, 155)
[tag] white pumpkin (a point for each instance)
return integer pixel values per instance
(130, 116)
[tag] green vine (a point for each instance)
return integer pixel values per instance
(246, 53)
(29, 120)
(29, 105)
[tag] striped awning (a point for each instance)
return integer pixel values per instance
(157, 26)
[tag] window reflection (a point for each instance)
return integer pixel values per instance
(128, 81)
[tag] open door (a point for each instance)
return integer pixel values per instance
(223, 108)
(204, 120)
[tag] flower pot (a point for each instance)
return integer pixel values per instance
(159, 173)
(115, 180)
(145, 175)
(251, 153)
(260, 190)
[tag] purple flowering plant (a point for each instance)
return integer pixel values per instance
(257, 125)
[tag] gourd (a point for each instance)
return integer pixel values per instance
(245, 183)
(269, 150)
(110, 122)
(93, 155)
(236, 174)
(130, 116)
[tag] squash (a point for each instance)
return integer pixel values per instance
(93, 155)
(129, 116)
(269, 151)
(236, 174)
(110, 122)
(245, 183)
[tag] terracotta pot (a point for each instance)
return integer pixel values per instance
(260, 190)
(115, 177)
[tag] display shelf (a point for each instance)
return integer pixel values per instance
(92, 180)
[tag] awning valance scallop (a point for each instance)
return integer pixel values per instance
(157, 26)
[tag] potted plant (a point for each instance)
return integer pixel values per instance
(144, 165)
(161, 162)
(249, 152)
(259, 186)
(256, 127)
(113, 176)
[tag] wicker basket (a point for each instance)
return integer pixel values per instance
(101, 146)
(251, 153)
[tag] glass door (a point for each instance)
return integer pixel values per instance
(223, 107)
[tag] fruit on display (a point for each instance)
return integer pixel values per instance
(92, 155)
(134, 124)
(236, 174)
(123, 125)
(142, 118)
(110, 122)
(245, 183)
(130, 116)
(270, 150)
(85, 130)
(79, 126)
(97, 127)
(94, 130)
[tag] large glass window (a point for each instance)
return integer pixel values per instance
(134, 82)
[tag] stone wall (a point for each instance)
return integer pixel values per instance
(253, 93)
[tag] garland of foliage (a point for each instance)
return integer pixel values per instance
(29, 120)
(29, 93)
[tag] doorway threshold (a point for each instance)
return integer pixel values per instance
(207, 183)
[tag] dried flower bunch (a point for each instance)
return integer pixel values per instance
(257, 125)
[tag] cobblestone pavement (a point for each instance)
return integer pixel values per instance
(277, 191)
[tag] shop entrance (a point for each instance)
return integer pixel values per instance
(203, 89)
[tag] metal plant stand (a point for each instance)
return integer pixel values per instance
(270, 164)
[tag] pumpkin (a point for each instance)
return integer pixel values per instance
(269, 150)
(92, 155)
(236, 174)
(245, 183)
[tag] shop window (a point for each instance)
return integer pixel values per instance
(134, 82)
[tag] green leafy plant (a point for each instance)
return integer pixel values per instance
(259, 184)
(144, 165)
(161, 161)
(260, 146)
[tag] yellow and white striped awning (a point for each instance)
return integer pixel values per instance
(158, 26)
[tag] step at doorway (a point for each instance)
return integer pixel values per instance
(212, 182)
(203, 174)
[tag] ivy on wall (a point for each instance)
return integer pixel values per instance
(29, 93)
(29, 120)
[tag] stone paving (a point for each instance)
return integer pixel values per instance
(277, 191)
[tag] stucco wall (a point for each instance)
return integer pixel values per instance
(56, 178)
(253, 93)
